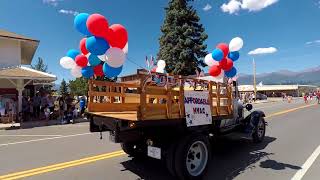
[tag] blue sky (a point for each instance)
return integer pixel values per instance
(292, 27)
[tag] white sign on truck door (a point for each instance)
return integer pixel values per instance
(197, 108)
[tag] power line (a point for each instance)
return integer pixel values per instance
(135, 63)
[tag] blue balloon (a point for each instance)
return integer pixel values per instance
(87, 72)
(94, 60)
(234, 55)
(80, 23)
(73, 53)
(97, 46)
(111, 71)
(231, 73)
(217, 54)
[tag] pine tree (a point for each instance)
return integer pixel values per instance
(79, 86)
(63, 88)
(40, 65)
(182, 41)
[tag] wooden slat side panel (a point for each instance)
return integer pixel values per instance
(224, 110)
(156, 90)
(115, 107)
(175, 109)
(114, 84)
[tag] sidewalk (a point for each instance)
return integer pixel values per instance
(273, 99)
(32, 124)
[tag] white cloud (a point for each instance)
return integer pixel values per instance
(313, 42)
(268, 50)
(234, 6)
(68, 12)
(207, 7)
(317, 4)
(51, 2)
(256, 5)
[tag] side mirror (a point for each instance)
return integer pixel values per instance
(249, 107)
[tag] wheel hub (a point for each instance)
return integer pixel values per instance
(261, 129)
(197, 158)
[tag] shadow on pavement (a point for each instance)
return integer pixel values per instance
(230, 158)
(272, 164)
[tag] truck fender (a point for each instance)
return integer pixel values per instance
(252, 120)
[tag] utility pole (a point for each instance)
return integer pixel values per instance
(254, 79)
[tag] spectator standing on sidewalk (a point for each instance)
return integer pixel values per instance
(2, 107)
(61, 107)
(31, 109)
(44, 105)
(82, 105)
(36, 105)
(305, 97)
(51, 104)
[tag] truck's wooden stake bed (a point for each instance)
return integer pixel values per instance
(170, 117)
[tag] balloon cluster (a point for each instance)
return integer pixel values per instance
(103, 50)
(222, 57)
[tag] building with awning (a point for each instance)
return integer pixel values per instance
(16, 52)
(278, 90)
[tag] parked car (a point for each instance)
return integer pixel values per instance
(261, 96)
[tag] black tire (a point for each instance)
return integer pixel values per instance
(170, 160)
(184, 155)
(133, 150)
(260, 131)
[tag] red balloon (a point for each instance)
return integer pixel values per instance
(117, 36)
(224, 48)
(81, 60)
(226, 64)
(97, 25)
(82, 46)
(214, 71)
(98, 71)
(154, 69)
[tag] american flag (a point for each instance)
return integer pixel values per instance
(152, 62)
(147, 62)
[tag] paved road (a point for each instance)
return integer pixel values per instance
(292, 137)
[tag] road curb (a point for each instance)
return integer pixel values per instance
(33, 124)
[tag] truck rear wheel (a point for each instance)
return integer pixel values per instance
(132, 149)
(260, 131)
(192, 156)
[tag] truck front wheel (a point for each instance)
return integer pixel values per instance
(192, 156)
(260, 131)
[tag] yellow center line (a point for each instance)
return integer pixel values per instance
(91, 159)
(58, 166)
(289, 110)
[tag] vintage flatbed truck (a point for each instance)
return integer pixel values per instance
(171, 118)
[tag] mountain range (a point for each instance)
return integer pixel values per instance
(309, 76)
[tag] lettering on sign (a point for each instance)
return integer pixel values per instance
(197, 108)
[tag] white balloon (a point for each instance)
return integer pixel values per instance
(115, 57)
(76, 71)
(125, 49)
(67, 62)
(235, 44)
(161, 64)
(210, 61)
(160, 70)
